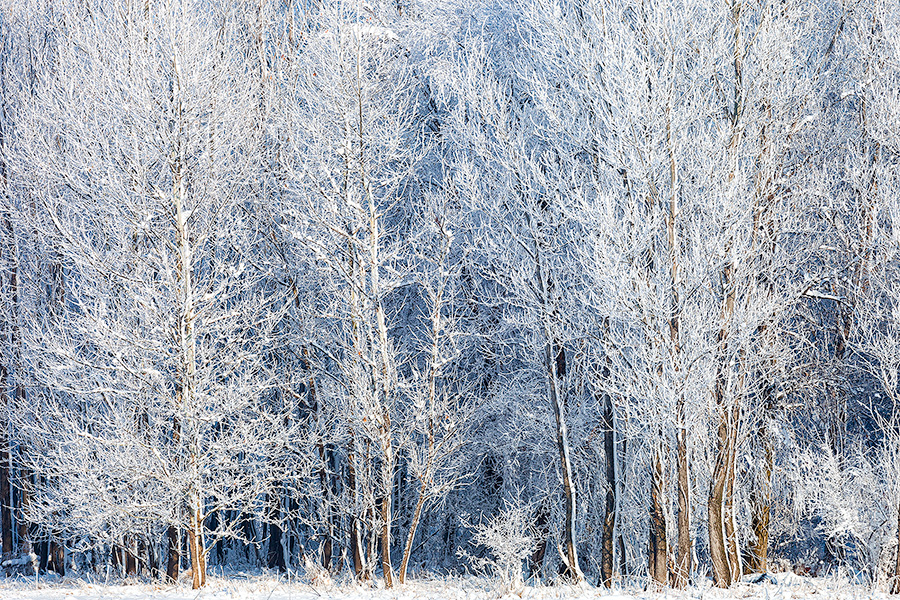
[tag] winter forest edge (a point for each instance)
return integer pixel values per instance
(597, 291)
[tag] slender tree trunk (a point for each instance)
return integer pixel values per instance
(620, 485)
(356, 543)
(25, 546)
(411, 535)
(387, 481)
(275, 553)
(609, 520)
(895, 588)
(562, 442)
(734, 555)
(718, 554)
(720, 523)
(683, 567)
(6, 523)
(658, 551)
(327, 543)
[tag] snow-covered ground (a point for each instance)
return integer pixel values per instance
(781, 587)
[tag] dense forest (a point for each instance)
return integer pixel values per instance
(570, 290)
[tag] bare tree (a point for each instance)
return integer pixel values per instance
(138, 156)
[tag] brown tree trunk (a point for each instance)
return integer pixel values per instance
(174, 561)
(723, 549)
(718, 553)
(196, 546)
(410, 537)
(542, 526)
(683, 567)
(387, 482)
(761, 502)
(609, 519)
(23, 497)
(658, 551)
(130, 560)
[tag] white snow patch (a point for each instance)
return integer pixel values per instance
(782, 586)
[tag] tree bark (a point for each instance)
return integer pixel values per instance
(174, 561)
(609, 519)
(358, 552)
(761, 502)
(658, 551)
(387, 483)
(573, 569)
(721, 565)
(197, 546)
(895, 588)
(411, 535)
(275, 553)
(683, 566)
(6, 523)
(542, 525)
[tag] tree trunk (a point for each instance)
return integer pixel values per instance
(718, 554)
(658, 551)
(6, 523)
(327, 543)
(683, 567)
(411, 535)
(573, 569)
(360, 570)
(23, 497)
(761, 502)
(197, 546)
(275, 553)
(895, 588)
(387, 481)
(609, 520)
(174, 560)
(723, 548)
(542, 526)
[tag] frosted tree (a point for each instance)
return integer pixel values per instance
(138, 155)
(349, 161)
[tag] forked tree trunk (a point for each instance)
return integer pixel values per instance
(197, 546)
(723, 549)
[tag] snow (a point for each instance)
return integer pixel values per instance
(20, 561)
(785, 586)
